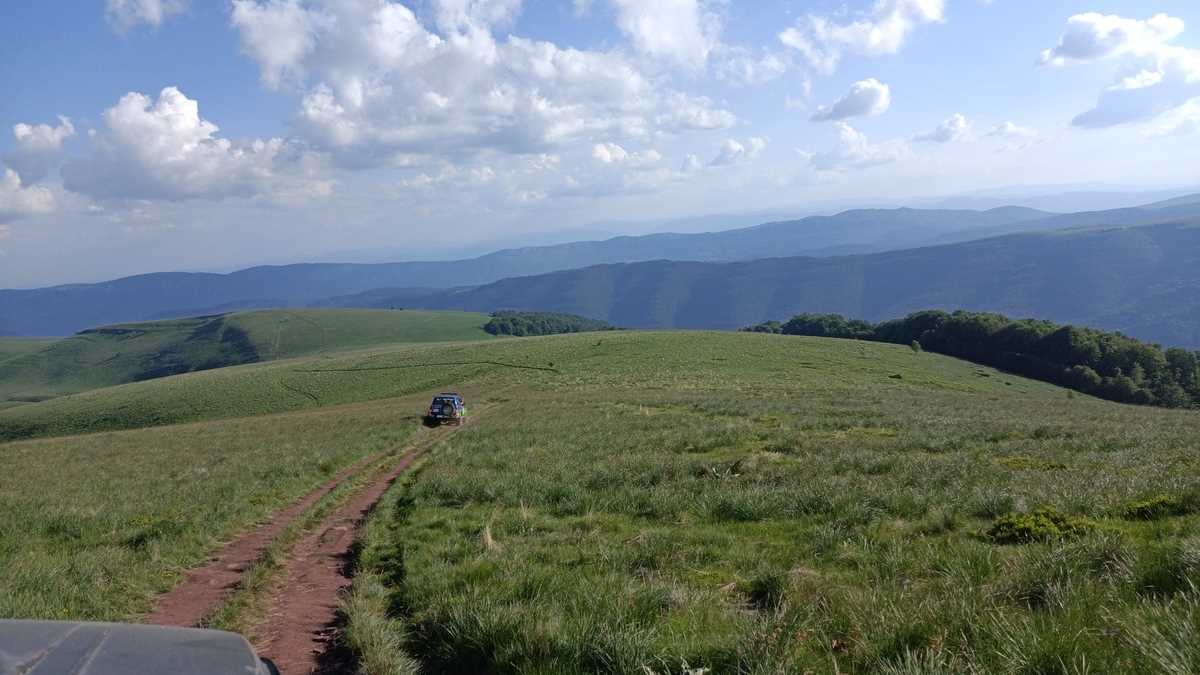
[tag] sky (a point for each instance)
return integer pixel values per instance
(149, 135)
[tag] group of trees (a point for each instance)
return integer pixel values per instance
(523, 324)
(1105, 364)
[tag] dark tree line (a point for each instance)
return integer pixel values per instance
(1105, 364)
(523, 324)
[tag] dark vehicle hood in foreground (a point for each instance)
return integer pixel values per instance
(70, 648)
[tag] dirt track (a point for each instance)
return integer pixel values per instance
(301, 609)
(206, 588)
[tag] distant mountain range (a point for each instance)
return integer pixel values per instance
(62, 310)
(1144, 281)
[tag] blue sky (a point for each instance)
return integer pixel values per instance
(140, 135)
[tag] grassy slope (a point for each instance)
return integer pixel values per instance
(736, 501)
(95, 525)
(14, 347)
(757, 505)
(134, 352)
(11, 347)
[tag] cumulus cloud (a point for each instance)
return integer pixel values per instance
(1179, 122)
(1093, 36)
(19, 201)
(611, 153)
(855, 151)
(462, 15)
(1157, 76)
(739, 65)
(1011, 130)
(733, 152)
(868, 97)
(690, 164)
(39, 147)
(125, 15)
(822, 42)
(682, 32)
(1014, 136)
(957, 128)
(164, 149)
(378, 84)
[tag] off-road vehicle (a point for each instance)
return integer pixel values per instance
(447, 408)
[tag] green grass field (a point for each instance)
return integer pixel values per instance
(32, 371)
(11, 347)
(95, 525)
(650, 502)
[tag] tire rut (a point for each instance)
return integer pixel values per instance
(300, 621)
(204, 589)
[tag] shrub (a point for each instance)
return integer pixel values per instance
(522, 324)
(1153, 508)
(1038, 525)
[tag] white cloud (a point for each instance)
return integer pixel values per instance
(739, 66)
(823, 42)
(1157, 76)
(957, 128)
(855, 151)
(125, 15)
(163, 149)
(732, 152)
(682, 32)
(1014, 136)
(1011, 130)
(18, 201)
(1181, 121)
(278, 35)
(465, 15)
(38, 148)
(690, 164)
(868, 97)
(1093, 36)
(611, 153)
(379, 85)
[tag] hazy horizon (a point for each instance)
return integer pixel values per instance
(174, 135)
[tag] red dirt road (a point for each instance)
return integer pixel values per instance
(206, 588)
(299, 626)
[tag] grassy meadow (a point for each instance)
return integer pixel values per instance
(753, 504)
(649, 502)
(95, 525)
(11, 347)
(32, 371)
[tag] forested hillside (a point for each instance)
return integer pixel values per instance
(1104, 364)
(63, 310)
(1144, 281)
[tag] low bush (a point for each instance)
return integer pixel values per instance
(1158, 506)
(1041, 524)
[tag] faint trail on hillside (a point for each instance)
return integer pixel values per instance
(301, 392)
(426, 365)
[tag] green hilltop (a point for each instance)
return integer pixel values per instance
(112, 355)
(634, 502)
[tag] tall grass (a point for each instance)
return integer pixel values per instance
(720, 502)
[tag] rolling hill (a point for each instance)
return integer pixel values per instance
(112, 355)
(736, 502)
(63, 310)
(1144, 281)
